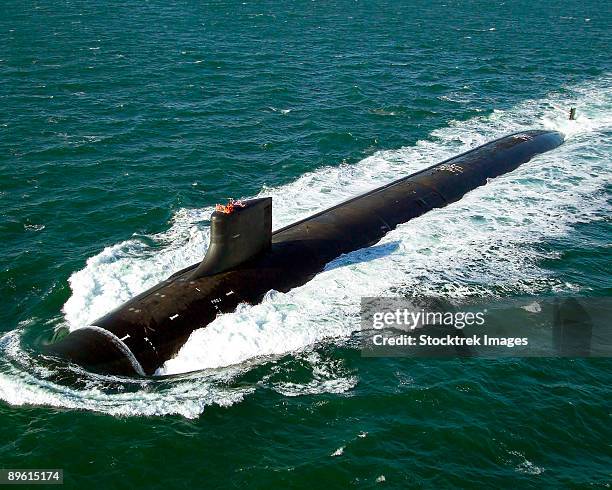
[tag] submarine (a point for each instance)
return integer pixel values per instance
(246, 259)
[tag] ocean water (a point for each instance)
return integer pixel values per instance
(123, 123)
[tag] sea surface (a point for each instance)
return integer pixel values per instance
(122, 123)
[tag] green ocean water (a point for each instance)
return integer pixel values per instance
(123, 123)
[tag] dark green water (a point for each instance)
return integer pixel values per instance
(123, 123)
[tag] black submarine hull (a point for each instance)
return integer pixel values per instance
(246, 260)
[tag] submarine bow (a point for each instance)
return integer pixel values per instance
(245, 259)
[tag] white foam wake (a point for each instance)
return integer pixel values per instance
(24, 381)
(485, 244)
